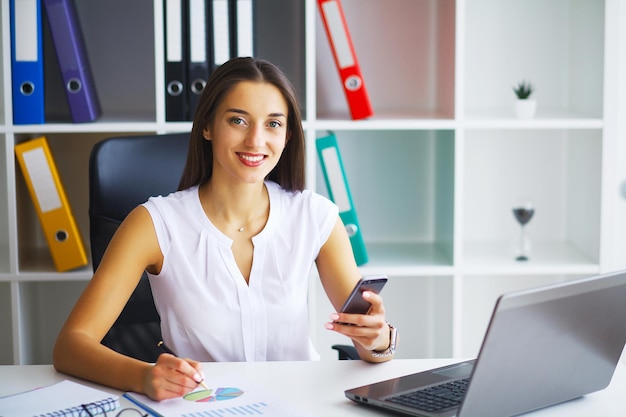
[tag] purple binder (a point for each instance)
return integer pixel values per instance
(71, 54)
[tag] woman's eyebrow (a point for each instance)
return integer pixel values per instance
(234, 110)
(241, 111)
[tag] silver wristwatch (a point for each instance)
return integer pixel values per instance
(393, 337)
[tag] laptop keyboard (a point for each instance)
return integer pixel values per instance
(435, 398)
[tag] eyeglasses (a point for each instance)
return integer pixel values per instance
(95, 409)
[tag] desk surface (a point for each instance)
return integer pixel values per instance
(317, 387)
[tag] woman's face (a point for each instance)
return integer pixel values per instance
(249, 132)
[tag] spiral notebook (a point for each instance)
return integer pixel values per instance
(63, 399)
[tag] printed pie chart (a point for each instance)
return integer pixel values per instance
(220, 394)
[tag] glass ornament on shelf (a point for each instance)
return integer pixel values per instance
(523, 212)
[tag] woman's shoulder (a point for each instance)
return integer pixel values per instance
(305, 203)
(175, 198)
(305, 196)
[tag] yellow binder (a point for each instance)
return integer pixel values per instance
(53, 208)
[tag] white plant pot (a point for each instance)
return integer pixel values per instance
(525, 109)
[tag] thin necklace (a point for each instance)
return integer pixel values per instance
(247, 224)
(243, 227)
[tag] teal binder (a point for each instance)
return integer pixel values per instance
(339, 193)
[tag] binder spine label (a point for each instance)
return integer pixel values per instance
(174, 30)
(45, 189)
(26, 37)
(338, 35)
(245, 25)
(197, 31)
(336, 183)
(221, 32)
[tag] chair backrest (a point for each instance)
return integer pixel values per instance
(123, 173)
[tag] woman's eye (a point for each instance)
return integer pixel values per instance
(237, 121)
(274, 123)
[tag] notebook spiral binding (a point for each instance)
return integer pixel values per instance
(87, 410)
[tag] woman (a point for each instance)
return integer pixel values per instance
(229, 254)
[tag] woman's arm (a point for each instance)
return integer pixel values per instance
(339, 274)
(78, 351)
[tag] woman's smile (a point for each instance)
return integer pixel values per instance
(251, 159)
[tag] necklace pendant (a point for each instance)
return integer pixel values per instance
(241, 229)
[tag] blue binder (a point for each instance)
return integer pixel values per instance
(339, 192)
(27, 62)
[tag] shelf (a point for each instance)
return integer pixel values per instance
(560, 53)
(120, 41)
(36, 265)
(45, 273)
(503, 167)
(407, 259)
(378, 122)
(71, 154)
(433, 174)
(416, 44)
(104, 124)
(485, 120)
(479, 258)
(411, 167)
(544, 119)
(493, 258)
(43, 315)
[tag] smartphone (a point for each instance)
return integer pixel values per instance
(355, 304)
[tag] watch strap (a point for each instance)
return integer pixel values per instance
(391, 349)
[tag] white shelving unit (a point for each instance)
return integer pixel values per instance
(434, 173)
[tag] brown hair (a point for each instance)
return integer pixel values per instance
(289, 172)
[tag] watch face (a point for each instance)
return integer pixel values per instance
(393, 337)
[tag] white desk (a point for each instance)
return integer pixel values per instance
(318, 387)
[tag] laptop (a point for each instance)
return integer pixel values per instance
(543, 346)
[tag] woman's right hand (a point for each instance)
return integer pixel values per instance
(172, 377)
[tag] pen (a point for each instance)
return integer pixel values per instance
(161, 345)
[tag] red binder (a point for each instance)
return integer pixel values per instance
(345, 58)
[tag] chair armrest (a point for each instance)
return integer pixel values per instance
(346, 352)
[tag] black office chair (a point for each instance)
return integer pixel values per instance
(346, 352)
(123, 173)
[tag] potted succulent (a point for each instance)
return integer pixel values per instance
(525, 107)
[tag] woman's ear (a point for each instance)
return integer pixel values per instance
(206, 134)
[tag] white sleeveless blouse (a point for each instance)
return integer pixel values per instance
(208, 312)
